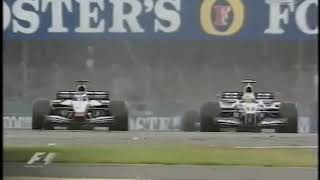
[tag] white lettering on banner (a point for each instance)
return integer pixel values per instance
(57, 14)
(155, 123)
(119, 17)
(279, 13)
(148, 5)
(301, 17)
(276, 16)
(86, 15)
(28, 16)
(170, 16)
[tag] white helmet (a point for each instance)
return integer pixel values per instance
(248, 94)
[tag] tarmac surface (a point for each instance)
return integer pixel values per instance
(161, 172)
(157, 172)
(102, 137)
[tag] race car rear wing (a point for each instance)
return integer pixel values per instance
(231, 95)
(238, 95)
(248, 81)
(264, 95)
(92, 95)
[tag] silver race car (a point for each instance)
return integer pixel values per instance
(245, 111)
(80, 109)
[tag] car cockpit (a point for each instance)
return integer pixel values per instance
(248, 94)
(81, 93)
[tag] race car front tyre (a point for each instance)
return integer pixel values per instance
(289, 111)
(189, 120)
(120, 113)
(41, 108)
(208, 112)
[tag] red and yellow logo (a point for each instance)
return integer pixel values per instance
(214, 15)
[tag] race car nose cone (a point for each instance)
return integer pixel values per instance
(79, 114)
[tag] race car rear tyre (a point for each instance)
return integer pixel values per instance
(289, 111)
(189, 120)
(208, 112)
(41, 108)
(120, 112)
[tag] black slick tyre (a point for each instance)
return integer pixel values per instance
(289, 111)
(41, 108)
(119, 111)
(208, 112)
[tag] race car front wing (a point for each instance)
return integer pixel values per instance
(62, 120)
(266, 122)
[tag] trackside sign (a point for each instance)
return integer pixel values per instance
(155, 123)
(23, 122)
(160, 19)
(138, 123)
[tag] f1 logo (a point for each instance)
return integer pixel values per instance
(41, 157)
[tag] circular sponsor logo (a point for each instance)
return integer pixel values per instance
(6, 15)
(222, 18)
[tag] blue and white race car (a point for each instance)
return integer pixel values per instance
(246, 111)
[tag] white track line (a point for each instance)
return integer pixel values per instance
(51, 178)
(276, 147)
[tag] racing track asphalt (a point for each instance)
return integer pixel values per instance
(161, 172)
(102, 137)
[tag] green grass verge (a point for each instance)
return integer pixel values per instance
(170, 155)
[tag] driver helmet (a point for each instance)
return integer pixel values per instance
(81, 88)
(248, 94)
